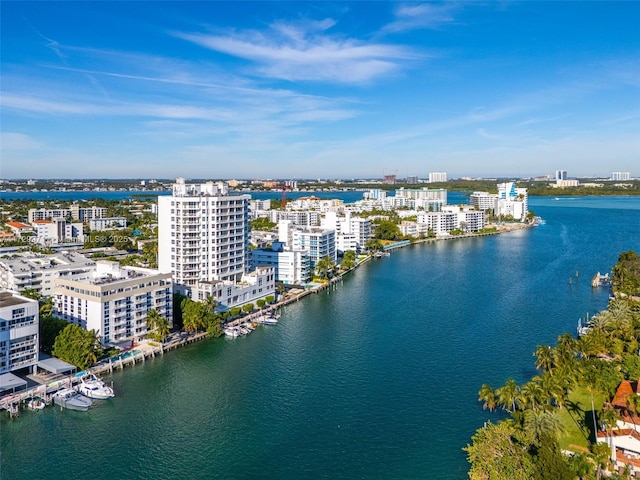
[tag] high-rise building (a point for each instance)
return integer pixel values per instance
(435, 177)
(620, 176)
(203, 233)
(203, 240)
(561, 175)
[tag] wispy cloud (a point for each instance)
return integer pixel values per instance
(414, 16)
(13, 141)
(305, 51)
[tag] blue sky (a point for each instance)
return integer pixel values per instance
(318, 89)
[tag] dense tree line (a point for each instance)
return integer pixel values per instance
(526, 444)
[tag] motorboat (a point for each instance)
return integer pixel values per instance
(36, 403)
(69, 398)
(92, 387)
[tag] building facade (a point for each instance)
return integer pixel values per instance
(19, 340)
(435, 177)
(203, 241)
(114, 301)
(29, 270)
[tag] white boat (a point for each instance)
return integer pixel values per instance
(230, 332)
(268, 320)
(36, 403)
(92, 387)
(69, 398)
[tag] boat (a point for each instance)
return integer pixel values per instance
(269, 320)
(69, 398)
(36, 403)
(92, 387)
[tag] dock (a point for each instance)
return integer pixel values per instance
(136, 355)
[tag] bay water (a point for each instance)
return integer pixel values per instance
(375, 379)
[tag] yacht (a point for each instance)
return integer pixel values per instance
(92, 387)
(69, 398)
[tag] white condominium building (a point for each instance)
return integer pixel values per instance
(38, 271)
(19, 322)
(435, 177)
(114, 301)
(291, 267)
(512, 201)
(203, 233)
(58, 231)
(203, 240)
(84, 214)
(621, 176)
(317, 242)
(308, 218)
(107, 223)
(484, 200)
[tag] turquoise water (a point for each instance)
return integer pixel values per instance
(377, 379)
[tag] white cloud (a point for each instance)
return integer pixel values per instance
(420, 15)
(305, 52)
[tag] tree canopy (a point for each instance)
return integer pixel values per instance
(77, 346)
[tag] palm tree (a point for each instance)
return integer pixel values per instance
(541, 423)
(324, 266)
(531, 395)
(488, 396)
(552, 389)
(545, 358)
(157, 325)
(211, 304)
(507, 395)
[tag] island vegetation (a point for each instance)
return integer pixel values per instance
(553, 419)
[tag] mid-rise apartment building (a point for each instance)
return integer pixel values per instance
(107, 223)
(113, 300)
(30, 270)
(19, 323)
(58, 231)
(75, 212)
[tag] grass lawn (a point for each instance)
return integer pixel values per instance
(577, 417)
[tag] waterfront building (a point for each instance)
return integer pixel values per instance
(425, 193)
(114, 300)
(435, 177)
(37, 271)
(107, 223)
(572, 182)
(317, 242)
(19, 323)
(512, 201)
(484, 201)
(620, 176)
(58, 231)
(291, 267)
(561, 175)
(203, 239)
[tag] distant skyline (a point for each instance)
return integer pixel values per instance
(318, 89)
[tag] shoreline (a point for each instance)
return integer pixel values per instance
(149, 349)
